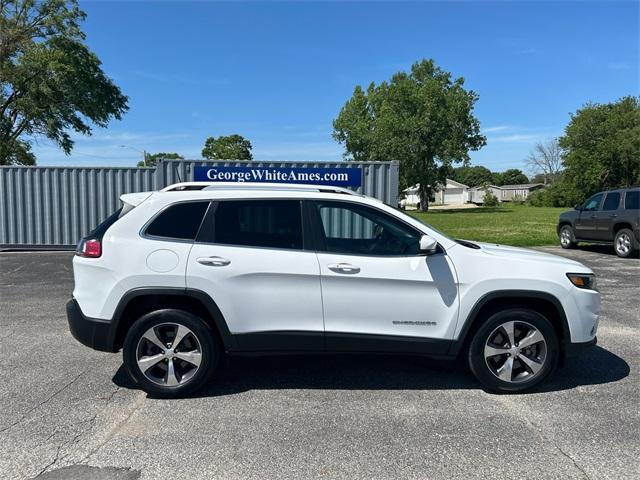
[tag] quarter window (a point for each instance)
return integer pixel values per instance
(593, 203)
(270, 223)
(612, 201)
(632, 200)
(180, 221)
(358, 230)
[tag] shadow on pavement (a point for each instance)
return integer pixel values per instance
(383, 372)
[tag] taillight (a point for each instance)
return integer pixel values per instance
(90, 248)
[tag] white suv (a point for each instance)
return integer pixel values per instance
(179, 277)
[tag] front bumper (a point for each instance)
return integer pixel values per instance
(92, 332)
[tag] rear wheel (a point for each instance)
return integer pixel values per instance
(624, 244)
(567, 237)
(513, 350)
(170, 353)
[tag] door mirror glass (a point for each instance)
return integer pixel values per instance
(428, 245)
(578, 207)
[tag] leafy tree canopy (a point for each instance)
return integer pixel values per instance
(51, 84)
(152, 158)
(230, 147)
(601, 146)
(423, 118)
(512, 176)
(472, 176)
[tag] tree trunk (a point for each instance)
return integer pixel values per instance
(424, 198)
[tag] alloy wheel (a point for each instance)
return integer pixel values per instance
(169, 354)
(515, 351)
(623, 243)
(565, 237)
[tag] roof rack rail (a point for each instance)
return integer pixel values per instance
(190, 186)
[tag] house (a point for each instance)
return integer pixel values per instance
(476, 194)
(518, 192)
(504, 193)
(452, 193)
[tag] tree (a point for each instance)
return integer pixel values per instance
(513, 176)
(472, 176)
(230, 147)
(152, 158)
(423, 118)
(546, 160)
(601, 146)
(51, 84)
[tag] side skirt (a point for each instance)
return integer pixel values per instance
(293, 342)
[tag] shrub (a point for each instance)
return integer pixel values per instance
(490, 200)
(557, 195)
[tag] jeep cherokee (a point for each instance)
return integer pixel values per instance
(177, 278)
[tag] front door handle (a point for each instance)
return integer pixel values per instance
(343, 268)
(213, 261)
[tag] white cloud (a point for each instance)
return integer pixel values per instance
(517, 138)
(497, 128)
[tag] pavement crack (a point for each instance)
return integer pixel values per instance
(136, 407)
(44, 402)
(517, 412)
(586, 475)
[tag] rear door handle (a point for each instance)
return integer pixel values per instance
(613, 215)
(213, 261)
(343, 268)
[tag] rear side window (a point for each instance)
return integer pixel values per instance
(180, 221)
(632, 200)
(612, 201)
(271, 223)
(98, 232)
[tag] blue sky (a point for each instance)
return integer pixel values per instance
(278, 73)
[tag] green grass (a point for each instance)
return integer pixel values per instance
(517, 225)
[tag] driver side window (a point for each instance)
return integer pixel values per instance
(359, 230)
(593, 203)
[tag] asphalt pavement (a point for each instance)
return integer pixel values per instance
(68, 412)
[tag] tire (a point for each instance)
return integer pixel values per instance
(624, 243)
(567, 237)
(149, 355)
(491, 353)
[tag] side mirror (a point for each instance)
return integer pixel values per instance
(578, 207)
(428, 245)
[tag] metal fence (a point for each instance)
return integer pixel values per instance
(53, 207)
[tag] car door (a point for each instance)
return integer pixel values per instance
(251, 260)
(379, 293)
(606, 216)
(586, 223)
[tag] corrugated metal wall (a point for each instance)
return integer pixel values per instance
(56, 206)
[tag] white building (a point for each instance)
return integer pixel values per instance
(452, 193)
(504, 193)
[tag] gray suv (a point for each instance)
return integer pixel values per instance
(610, 217)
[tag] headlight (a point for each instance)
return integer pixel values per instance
(586, 281)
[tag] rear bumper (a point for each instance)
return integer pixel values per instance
(576, 349)
(92, 332)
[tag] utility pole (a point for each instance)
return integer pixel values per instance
(143, 152)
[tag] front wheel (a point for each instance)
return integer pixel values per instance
(623, 243)
(170, 353)
(513, 350)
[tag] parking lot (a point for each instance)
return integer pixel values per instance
(70, 412)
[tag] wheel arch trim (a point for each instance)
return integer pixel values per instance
(472, 319)
(205, 299)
